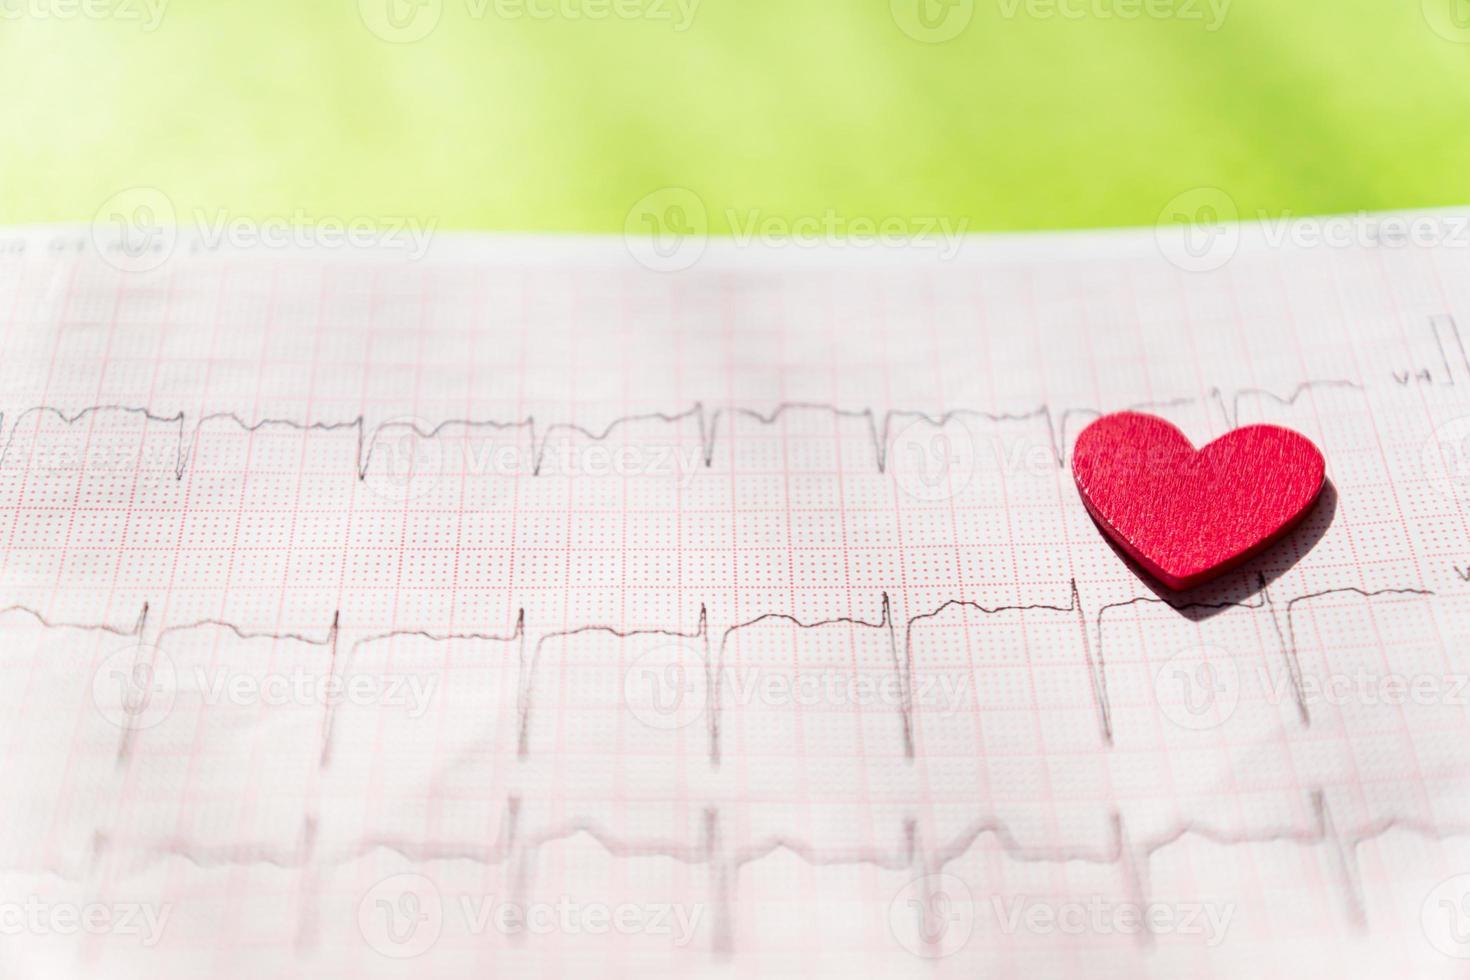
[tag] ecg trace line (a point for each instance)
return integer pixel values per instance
(902, 655)
(881, 426)
(516, 849)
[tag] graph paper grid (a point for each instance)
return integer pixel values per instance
(524, 611)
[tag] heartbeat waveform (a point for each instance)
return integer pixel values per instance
(516, 848)
(881, 426)
(1286, 642)
(713, 655)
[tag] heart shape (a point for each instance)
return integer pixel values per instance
(1187, 515)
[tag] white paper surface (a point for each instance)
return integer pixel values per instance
(522, 610)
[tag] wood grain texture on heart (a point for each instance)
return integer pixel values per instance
(1186, 514)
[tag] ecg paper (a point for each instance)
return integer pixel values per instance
(524, 611)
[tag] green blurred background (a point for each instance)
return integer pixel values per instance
(516, 114)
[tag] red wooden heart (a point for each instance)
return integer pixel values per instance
(1187, 515)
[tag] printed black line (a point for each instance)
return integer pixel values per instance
(881, 426)
(528, 656)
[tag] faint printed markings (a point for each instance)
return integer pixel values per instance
(136, 229)
(667, 230)
(147, 13)
(401, 916)
(135, 688)
(404, 464)
(1444, 459)
(932, 916)
(1445, 917)
(404, 916)
(1450, 19)
(932, 21)
(1199, 230)
(666, 687)
(409, 21)
(401, 21)
(933, 463)
(1198, 688)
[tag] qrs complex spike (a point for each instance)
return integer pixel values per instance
(514, 846)
(881, 426)
(713, 652)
